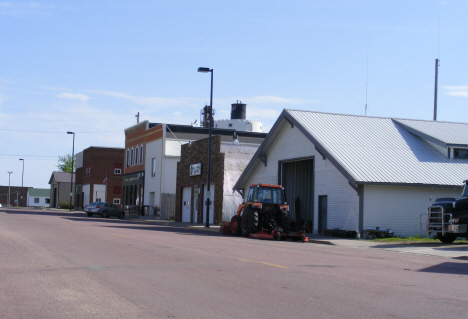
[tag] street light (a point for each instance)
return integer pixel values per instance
(71, 178)
(22, 178)
(208, 194)
(9, 175)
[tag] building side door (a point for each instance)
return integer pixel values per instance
(186, 196)
(86, 197)
(322, 213)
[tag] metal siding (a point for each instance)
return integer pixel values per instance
(170, 175)
(399, 208)
(343, 200)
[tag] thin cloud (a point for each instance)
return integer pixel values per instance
(73, 96)
(460, 91)
(15, 9)
(155, 102)
(277, 100)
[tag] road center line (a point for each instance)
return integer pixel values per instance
(257, 262)
(120, 235)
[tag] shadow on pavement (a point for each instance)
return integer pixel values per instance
(162, 225)
(448, 268)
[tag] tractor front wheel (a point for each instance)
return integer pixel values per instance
(236, 222)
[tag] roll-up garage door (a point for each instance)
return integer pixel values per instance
(297, 178)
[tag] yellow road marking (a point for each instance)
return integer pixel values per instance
(120, 235)
(257, 262)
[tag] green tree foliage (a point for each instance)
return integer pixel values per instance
(65, 163)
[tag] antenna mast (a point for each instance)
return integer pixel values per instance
(138, 117)
(435, 88)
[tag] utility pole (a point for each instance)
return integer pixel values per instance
(138, 117)
(435, 88)
(9, 175)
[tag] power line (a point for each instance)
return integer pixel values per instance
(29, 155)
(63, 132)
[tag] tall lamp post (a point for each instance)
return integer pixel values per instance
(208, 194)
(71, 178)
(9, 175)
(22, 179)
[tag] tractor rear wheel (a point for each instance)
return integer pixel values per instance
(249, 222)
(286, 222)
(236, 221)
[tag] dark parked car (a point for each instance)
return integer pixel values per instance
(104, 209)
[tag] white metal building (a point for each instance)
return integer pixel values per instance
(357, 172)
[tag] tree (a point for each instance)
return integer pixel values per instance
(65, 163)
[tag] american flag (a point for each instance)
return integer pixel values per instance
(105, 180)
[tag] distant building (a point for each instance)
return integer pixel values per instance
(60, 188)
(15, 194)
(99, 175)
(38, 197)
(238, 120)
(152, 151)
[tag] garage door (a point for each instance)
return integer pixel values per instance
(297, 178)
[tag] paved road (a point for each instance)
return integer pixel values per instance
(60, 265)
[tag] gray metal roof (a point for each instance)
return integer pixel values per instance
(61, 177)
(444, 132)
(379, 150)
(373, 150)
(224, 138)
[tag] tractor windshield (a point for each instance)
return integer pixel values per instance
(270, 195)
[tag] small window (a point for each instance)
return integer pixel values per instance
(47, 200)
(131, 157)
(117, 201)
(153, 167)
(141, 154)
(117, 171)
(460, 153)
(230, 124)
(137, 158)
(127, 162)
(36, 200)
(98, 199)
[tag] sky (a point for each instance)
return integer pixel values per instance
(90, 66)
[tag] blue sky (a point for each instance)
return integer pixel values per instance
(90, 66)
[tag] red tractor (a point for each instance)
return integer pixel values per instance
(265, 214)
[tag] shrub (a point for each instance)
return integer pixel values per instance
(65, 205)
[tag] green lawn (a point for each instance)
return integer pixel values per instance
(414, 239)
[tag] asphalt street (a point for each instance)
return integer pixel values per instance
(66, 265)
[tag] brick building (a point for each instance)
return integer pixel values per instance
(99, 175)
(152, 151)
(15, 192)
(228, 160)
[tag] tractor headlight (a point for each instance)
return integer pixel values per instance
(455, 220)
(453, 204)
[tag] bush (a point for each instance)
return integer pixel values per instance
(65, 205)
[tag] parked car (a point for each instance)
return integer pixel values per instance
(104, 209)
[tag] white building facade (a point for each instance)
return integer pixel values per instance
(354, 173)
